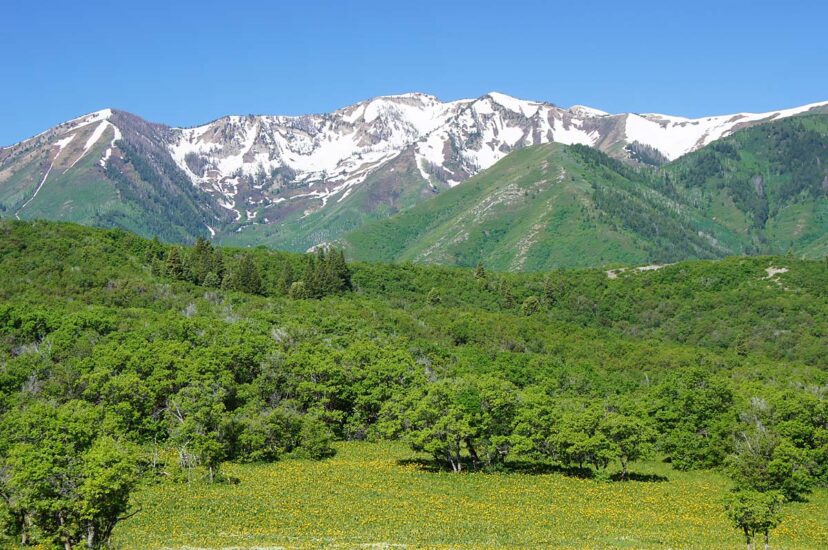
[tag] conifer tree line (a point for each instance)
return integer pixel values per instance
(323, 273)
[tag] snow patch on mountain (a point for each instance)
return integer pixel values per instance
(61, 145)
(526, 108)
(676, 136)
(93, 139)
(583, 111)
(108, 153)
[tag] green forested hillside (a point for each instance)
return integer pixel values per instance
(768, 184)
(544, 207)
(764, 190)
(124, 362)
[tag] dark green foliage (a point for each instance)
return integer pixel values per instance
(298, 291)
(244, 277)
(174, 266)
(433, 297)
(506, 296)
(286, 280)
(205, 262)
(326, 273)
(763, 169)
(159, 197)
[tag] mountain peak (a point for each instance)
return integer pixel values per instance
(512, 103)
(587, 112)
(89, 118)
(409, 95)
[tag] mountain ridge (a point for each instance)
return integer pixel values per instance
(763, 190)
(267, 178)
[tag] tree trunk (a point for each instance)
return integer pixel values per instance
(472, 452)
(90, 536)
(623, 468)
(24, 531)
(747, 538)
(455, 465)
(67, 544)
(457, 450)
(767, 541)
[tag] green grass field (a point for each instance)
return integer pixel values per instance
(379, 495)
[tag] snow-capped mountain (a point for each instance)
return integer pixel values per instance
(316, 158)
(324, 155)
(296, 181)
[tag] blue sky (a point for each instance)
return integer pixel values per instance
(185, 63)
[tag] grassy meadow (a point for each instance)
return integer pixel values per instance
(383, 495)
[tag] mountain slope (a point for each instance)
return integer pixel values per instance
(300, 181)
(762, 190)
(108, 169)
(542, 207)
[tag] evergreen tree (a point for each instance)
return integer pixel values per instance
(218, 265)
(155, 250)
(286, 278)
(298, 291)
(340, 270)
(248, 274)
(244, 277)
(311, 277)
(212, 280)
(200, 261)
(324, 274)
(550, 292)
(508, 301)
(174, 265)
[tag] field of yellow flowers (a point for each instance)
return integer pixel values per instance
(371, 495)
